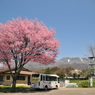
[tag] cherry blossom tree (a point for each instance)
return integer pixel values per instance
(26, 40)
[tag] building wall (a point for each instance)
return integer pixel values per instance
(19, 82)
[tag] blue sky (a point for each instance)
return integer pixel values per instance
(73, 20)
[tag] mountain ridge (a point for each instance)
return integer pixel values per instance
(74, 62)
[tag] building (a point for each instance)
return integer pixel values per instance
(22, 80)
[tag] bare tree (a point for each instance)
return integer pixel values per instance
(91, 50)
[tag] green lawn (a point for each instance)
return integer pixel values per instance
(83, 83)
(18, 89)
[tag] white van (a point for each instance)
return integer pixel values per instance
(44, 81)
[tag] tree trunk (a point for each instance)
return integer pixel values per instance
(14, 83)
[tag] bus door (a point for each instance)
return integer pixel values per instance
(42, 81)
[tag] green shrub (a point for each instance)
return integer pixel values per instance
(82, 83)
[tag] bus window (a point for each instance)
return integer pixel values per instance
(54, 78)
(44, 78)
(47, 78)
(35, 75)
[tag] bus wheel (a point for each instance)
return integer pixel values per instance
(56, 86)
(46, 88)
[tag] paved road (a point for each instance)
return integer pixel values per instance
(60, 91)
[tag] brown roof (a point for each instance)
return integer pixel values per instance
(23, 71)
(3, 70)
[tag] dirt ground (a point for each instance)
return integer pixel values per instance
(60, 91)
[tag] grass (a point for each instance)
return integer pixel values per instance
(83, 83)
(18, 89)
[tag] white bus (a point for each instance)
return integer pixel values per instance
(44, 81)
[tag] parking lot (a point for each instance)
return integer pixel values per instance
(60, 91)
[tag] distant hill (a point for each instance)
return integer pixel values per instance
(75, 62)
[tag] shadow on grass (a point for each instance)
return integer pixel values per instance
(21, 90)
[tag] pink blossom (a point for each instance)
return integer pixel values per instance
(27, 40)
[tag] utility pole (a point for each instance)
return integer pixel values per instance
(91, 70)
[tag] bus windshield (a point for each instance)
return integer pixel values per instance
(35, 75)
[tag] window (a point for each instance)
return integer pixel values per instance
(21, 78)
(47, 78)
(8, 77)
(1, 78)
(51, 78)
(54, 78)
(35, 75)
(43, 78)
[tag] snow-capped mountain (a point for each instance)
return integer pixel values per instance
(70, 60)
(74, 62)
